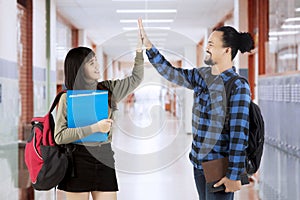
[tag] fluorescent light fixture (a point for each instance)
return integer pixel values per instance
(292, 19)
(288, 56)
(141, 0)
(152, 39)
(136, 28)
(135, 43)
(273, 38)
(290, 26)
(157, 34)
(147, 11)
(297, 9)
(60, 48)
(283, 33)
(158, 39)
(147, 21)
(149, 34)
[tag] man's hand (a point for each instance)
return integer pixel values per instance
(231, 185)
(143, 35)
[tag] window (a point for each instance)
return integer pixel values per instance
(284, 36)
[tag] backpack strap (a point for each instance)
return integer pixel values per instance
(56, 100)
(229, 86)
(228, 89)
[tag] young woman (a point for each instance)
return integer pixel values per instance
(92, 168)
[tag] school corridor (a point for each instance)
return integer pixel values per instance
(152, 126)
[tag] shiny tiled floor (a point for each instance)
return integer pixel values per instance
(151, 152)
(152, 157)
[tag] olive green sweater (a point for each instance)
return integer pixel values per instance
(119, 89)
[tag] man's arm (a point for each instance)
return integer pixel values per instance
(239, 128)
(182, 77)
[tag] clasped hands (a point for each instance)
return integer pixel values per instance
(142, 38)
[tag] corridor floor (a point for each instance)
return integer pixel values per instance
(151, 150)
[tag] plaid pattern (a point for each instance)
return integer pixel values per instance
(210, 140)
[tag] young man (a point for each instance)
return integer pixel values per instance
(210, 140)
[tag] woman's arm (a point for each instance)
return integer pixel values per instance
(65, 135)
(121, 88)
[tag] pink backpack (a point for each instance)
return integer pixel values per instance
(46, 161)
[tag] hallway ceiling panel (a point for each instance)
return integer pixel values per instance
(185, 23)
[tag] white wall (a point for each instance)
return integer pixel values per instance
(52, 72)
(240, 22)
(9, 104)
(39, 33)
(39, 60)
(8, 33)
(82, 38)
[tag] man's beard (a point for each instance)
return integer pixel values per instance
(209, 61)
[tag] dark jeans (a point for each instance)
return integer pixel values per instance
(202, 189)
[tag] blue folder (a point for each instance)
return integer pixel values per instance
(86, 107)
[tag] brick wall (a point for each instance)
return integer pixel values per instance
(26, 92)
(25, 66)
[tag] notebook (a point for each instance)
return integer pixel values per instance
(215, 170)
(86, 107)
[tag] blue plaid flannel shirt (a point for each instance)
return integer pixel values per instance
(210, 140)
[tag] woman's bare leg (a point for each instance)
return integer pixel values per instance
(104, 195)
(77, 195)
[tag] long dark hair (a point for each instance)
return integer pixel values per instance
(75, 59)
(236, 40)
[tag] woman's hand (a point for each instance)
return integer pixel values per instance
(102, 126)
(139, 47)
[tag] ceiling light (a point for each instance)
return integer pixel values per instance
(297, 9)
(148, 11)
(147, 21)
(290, 26)
(152, 39)
(158, 39)
(149, 34)
(136, 28)
(157, 34)
(293, 19)
(140, 0)
(283, 33)
(273, 38)
(288, 56)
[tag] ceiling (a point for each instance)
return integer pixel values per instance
(101, 21)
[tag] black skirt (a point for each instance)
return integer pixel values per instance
(90, 169)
